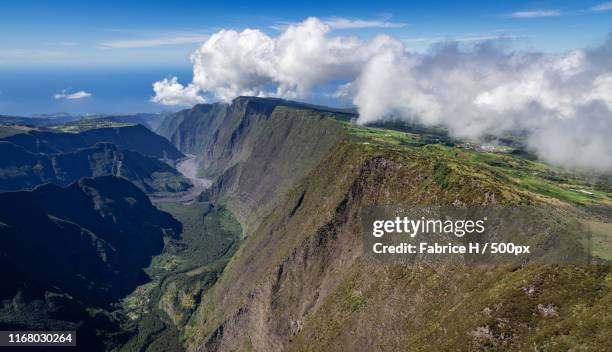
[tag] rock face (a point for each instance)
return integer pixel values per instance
(256, 148)
(22, 169)
(297, 179)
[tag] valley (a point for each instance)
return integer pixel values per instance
(298, 281)
(254, 236)
(188, 167)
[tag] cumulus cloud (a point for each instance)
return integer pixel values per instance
(563, 100)
(76, 95)
(169, 92)
(250, 62)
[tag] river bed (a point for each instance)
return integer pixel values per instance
(189, 168)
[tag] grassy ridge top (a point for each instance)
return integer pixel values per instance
(522, 179)
(547, 183)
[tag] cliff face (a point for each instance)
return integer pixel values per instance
(297, 178)
(257, 149)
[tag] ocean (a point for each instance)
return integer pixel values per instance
(113, 90)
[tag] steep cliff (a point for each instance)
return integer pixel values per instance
(255, 148)
(298, 178)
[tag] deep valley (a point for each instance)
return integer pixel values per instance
(237, 227)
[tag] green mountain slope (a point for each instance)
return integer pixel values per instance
(297, 179)
(20, 168)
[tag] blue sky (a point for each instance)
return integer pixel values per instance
(81, 45)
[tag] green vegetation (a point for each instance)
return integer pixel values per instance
(69, 254)
(549, 308)
(89, 122)
(382, 136)
(295, 178)
(601, 239)
(298, 281)
(188, 267)
(535, 180)
(529, 175)
(209, 231)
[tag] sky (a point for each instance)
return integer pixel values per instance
(475, 67)
(162, 33)
(104, 56)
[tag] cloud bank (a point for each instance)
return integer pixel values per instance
(563, 100)
(77, 95)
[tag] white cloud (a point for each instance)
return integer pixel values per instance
(562, 99)
(345, 23)
(77, 95)
(473, 38)
(153, 42)
(603, 7)
(169, 92)
(232, 63)
(536, 14)
(606, 6)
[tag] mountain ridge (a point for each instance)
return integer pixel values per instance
(22, 169)
(298, 281)
(135, 138)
